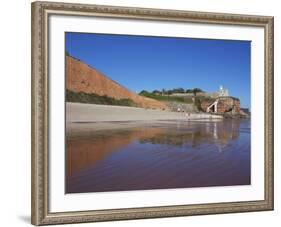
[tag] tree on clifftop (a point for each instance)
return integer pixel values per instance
(144, 92)
(196, 90)
(156, 92)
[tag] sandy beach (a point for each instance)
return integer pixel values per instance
(79, 112)
(83, 119)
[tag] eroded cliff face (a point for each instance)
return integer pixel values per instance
(225, 104)
(82, 78)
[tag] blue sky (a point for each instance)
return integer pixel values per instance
(149, 63)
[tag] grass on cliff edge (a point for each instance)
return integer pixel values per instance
(166, 98)
(82, 97)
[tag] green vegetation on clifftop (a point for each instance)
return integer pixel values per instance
(82, 97)
(165, 97)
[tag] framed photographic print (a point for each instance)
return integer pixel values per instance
(145, 113)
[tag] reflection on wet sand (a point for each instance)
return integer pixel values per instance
(87, 151)
(196, 133)
(154, 155)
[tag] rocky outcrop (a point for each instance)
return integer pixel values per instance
(80, 77)
(225, 105)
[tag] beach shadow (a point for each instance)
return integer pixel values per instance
(25, 218)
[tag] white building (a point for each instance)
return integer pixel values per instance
(223, 92)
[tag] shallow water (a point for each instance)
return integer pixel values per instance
(160, 155)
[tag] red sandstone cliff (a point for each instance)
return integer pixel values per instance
(225, 104)
(82, 78)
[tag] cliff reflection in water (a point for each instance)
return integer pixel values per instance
(160, 155)
(217, 132)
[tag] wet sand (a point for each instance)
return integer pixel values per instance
(159, 155)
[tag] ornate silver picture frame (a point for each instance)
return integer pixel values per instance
(41, 67)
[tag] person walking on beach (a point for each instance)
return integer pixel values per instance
(187, 115)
